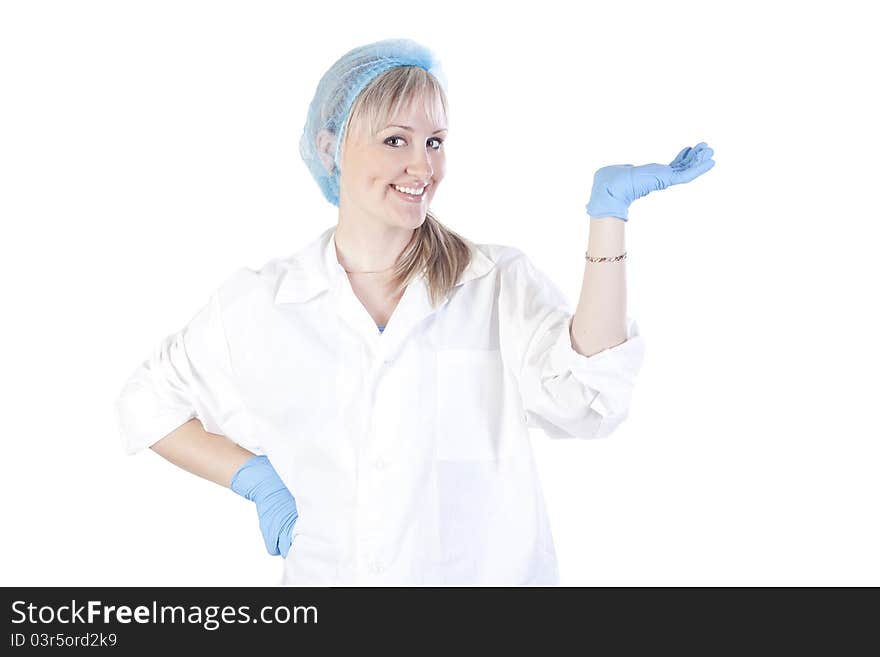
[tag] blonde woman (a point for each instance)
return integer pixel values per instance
(372, 393)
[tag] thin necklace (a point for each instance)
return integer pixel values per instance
(369, 272)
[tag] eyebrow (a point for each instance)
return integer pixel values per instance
(406, 127)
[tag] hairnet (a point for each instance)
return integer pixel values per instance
(340, 87)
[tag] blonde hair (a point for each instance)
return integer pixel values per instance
(435, 249)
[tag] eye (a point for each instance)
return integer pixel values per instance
(438, 140)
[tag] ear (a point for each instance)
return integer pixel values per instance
(326, 145)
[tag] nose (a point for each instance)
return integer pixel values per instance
(421, 167)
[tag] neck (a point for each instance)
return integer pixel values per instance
(370, 251)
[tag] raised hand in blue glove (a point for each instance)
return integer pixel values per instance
(257, 481)
(615, 187)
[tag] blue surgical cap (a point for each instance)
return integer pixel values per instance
(340, 87)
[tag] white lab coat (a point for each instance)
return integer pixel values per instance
(407, 451)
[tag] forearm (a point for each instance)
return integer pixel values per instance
(208, 455)
(600, 319)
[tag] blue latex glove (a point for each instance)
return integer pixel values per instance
(257, 481)
(615, 187)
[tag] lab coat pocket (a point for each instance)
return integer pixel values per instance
(469, 404)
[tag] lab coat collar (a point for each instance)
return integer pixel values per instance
(316, 268)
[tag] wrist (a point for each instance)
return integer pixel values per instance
(248, 478)
(607, 237)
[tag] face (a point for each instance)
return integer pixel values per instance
(408, 152)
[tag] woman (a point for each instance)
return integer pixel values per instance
(387, 374)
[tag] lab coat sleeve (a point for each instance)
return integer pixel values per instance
(187, 375)
(565, 393)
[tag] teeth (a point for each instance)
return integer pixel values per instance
(409, 190)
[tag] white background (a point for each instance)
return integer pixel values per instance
(149, 149)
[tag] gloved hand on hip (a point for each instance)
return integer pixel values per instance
(615, 187)
(257, 481)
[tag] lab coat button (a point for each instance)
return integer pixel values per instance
(379, 464)
(387, 362)
(376, 567)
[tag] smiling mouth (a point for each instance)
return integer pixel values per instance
(409, 197)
